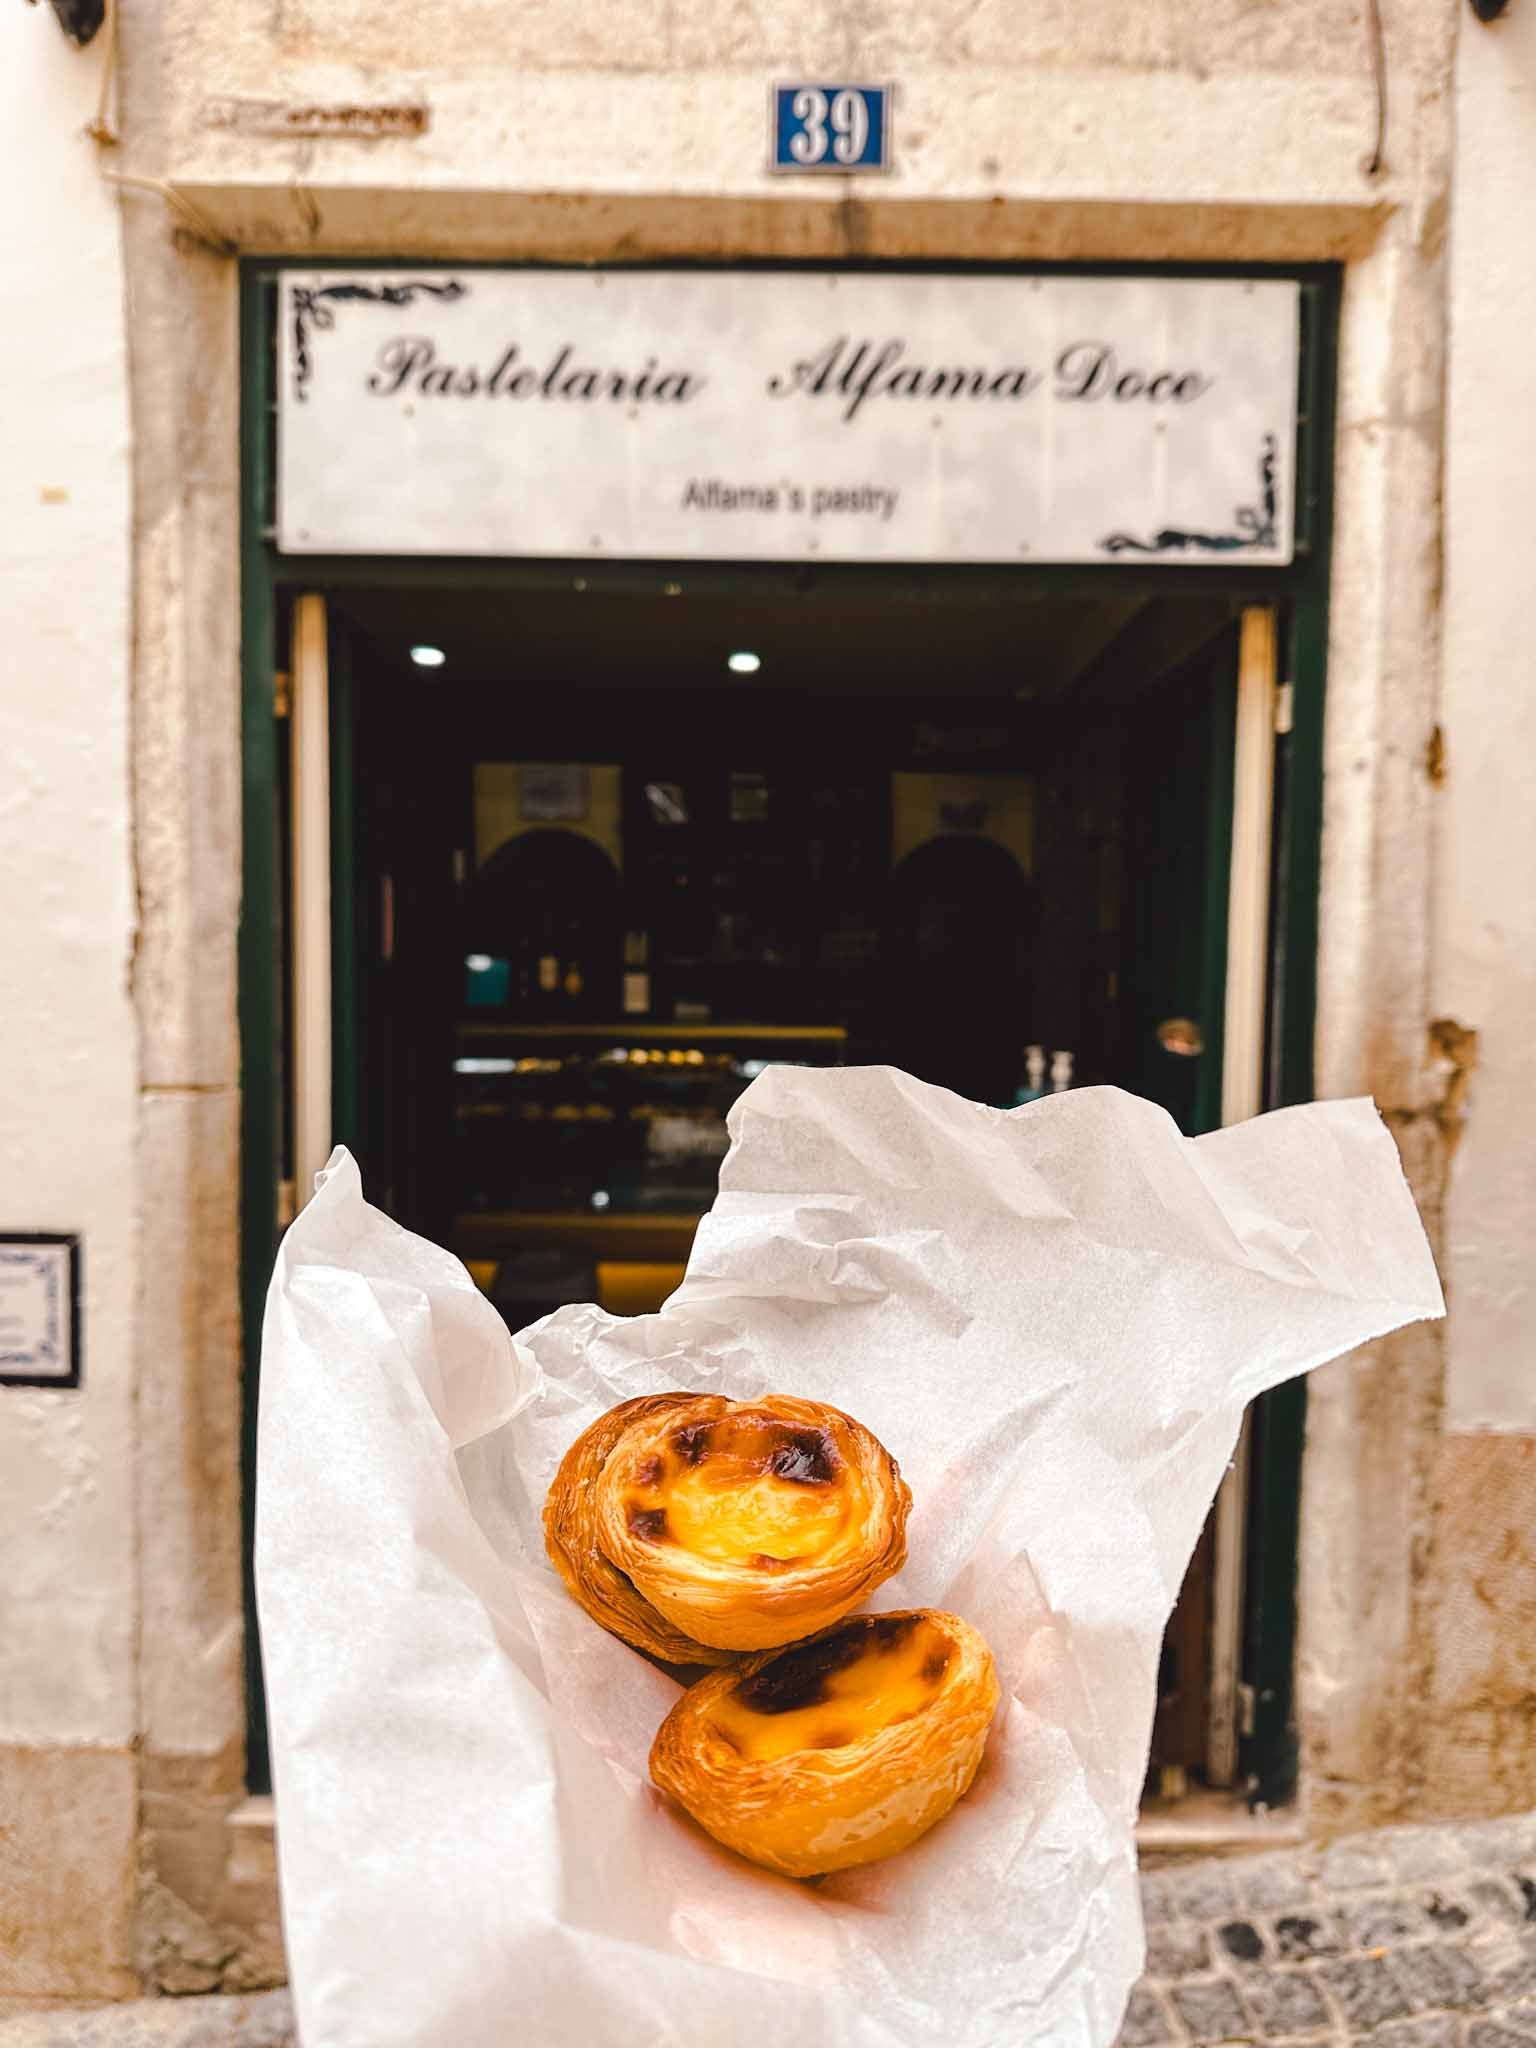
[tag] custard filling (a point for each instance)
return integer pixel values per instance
(869, 1674)
(745, 1492)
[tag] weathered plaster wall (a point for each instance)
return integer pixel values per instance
(1373, 1418)
(1481, 1713)
(197, 1930)
(121, 1641)
(68, 1125)
(1485, 970)
(488, 128)
(1419, 1610)
(202, 1921)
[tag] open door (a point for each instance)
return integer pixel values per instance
(372, 920)
(1177, 869)
(1199, 858)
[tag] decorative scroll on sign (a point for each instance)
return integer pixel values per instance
(815, 415)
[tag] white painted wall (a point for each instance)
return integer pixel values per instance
(1485, 974)
(67, 1052)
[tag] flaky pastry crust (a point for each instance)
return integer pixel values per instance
(749, 1524)
(570, 1536)
(838, 1751)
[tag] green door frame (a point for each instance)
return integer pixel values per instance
(268, 580)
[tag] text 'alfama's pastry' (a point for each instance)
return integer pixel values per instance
(698, 1528)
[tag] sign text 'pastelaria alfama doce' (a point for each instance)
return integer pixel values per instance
(780, 416)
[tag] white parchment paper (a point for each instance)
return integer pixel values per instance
(1052, 1317)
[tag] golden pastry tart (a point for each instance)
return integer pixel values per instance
(696, 1528)
(747, 1524)
(570, 1536)
(839, 1750)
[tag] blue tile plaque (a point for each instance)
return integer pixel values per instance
(831, 127)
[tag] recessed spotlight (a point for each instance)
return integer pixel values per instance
(428, 657)
(744, 662)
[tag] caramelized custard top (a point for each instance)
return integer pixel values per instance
(867, 1674)
(744, 1490)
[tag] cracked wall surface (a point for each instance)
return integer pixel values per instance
(1480, 1576)
(1418, 1652)
(1485, 969)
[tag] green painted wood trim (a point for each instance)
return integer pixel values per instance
(344, 867)
(918, 582)
(260, 964)
(1221, 741)
(1272, 1753)
(975, 583)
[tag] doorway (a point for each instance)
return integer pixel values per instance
(822, 844)
(597, 859)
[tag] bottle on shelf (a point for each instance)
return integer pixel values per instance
(636, 983)
(1032, 1087)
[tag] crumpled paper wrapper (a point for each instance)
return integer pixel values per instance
(1052, 1317)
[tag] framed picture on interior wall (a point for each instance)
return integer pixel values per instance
(553, 792)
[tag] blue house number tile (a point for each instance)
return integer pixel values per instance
(830, 127)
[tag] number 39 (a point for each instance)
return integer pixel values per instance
(843, 126)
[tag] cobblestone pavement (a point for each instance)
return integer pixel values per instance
(1408, 1938)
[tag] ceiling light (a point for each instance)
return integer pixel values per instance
(744, 662)
(428, 657)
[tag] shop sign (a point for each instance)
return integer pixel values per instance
(788, 416)
(831, 127)
(39, 1310)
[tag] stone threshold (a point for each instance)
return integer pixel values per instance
(1199, 1824)
(1214, 1824)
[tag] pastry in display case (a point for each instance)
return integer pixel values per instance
(603, 1139)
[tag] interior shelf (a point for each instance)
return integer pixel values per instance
(637, 1029)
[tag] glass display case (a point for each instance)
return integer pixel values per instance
(601, 1141)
